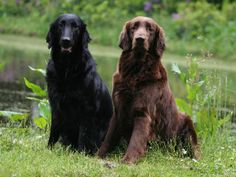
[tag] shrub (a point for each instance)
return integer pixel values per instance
(196, 19)
(205, 100)
(42, 119)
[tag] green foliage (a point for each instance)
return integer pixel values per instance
(41, 122)
(196, 19)
(35, 88)
(204, 100)
(213, 28)
(43, 72)
(43, 117)
(43, 105)
(14, 116)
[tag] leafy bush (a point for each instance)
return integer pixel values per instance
(205, 100)
(197, 18)
(42, 118)
(44, 115)
(214, 28)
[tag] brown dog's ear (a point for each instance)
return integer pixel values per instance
(159, 42)
(125, 41)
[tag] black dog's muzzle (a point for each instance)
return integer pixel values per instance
(66, 42)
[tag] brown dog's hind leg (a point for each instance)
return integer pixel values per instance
(188, 137)
(138, 142)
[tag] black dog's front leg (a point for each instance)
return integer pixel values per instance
(54, 132)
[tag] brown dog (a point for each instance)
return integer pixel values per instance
(144, 107)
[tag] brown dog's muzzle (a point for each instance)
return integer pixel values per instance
(140, 39)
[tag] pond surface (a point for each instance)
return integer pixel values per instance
(14, 67)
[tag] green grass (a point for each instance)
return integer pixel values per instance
(23, 152)
(28, 25)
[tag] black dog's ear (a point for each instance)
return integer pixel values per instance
(49, 38)
(159, 42)
(85, 37)
(125, 41)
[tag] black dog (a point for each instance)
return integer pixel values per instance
(80, 102)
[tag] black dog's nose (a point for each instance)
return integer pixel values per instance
(66, 41)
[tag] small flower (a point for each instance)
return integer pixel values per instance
(184, 151)
(20, 142)
(17, 2)
(147, 6)
(14, 141)
(175, 16)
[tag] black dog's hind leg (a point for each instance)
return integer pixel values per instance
(87, 138)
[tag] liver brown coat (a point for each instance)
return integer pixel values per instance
(144, 106)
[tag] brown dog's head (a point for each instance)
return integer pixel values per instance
(142, 33)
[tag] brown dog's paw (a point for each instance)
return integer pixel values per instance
(130, 159)
(127, 160)
(100, 154)
(197, 153)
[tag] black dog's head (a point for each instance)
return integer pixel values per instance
(68, 32)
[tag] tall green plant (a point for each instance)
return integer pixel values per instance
(205, 98)
(44, 116)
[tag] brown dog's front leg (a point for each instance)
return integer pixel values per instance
(138, 142)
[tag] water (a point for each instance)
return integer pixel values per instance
(14, 67)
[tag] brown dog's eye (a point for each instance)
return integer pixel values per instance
(134, 27)
(149, 29)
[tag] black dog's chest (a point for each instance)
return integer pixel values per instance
(72, 92)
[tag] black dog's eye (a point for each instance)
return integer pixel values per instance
(74, 25)
(62, 24)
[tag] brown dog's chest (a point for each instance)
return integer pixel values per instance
(138, 72)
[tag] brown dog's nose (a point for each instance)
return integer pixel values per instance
(139, 40)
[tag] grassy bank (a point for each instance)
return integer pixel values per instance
(38, 45)
(23, 152)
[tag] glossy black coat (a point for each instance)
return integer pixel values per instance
(80, 103)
